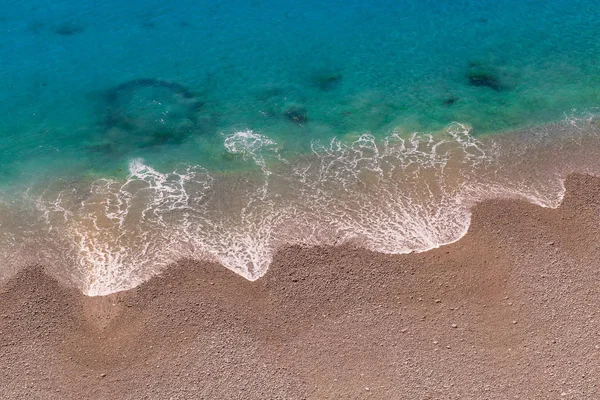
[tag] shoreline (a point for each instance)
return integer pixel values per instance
(505, 311)
(100, 233)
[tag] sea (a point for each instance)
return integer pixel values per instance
(134, 134)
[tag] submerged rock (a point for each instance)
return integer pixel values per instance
(480, 78)
(149, 112)
(69, 28)
(480, 75)
(449, 101)
(327, 81)
(296, 114)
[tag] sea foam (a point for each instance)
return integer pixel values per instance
(405, 193)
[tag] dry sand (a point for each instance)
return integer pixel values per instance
(509, 311)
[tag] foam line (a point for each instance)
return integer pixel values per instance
(401, 194)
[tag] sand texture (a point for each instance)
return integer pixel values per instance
(509, 311)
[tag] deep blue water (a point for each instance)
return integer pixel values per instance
(87, 87)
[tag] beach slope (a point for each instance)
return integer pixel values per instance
(509, 311)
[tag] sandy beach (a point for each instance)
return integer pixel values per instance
(509, 311)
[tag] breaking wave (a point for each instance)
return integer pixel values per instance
(401, 194)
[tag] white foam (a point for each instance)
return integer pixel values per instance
(251, 145)
(402, 194)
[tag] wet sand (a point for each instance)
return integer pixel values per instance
(509, 311)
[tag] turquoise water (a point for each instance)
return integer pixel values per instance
(245, 94)
(348, 67)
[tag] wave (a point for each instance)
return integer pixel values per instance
(402, 194)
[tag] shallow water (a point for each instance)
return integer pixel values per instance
(135, 133)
